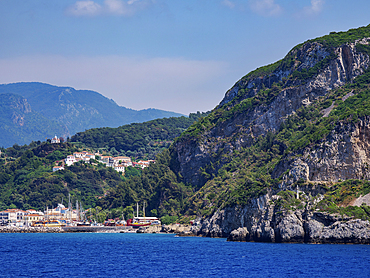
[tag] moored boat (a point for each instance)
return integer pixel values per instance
(142, 221)
(48, 223)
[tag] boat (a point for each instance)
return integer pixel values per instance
(53, 223)
(83, 224)
(142, 221)
(48, 223)
(110, 222)
(139, 222)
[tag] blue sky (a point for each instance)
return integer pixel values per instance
(174, 55)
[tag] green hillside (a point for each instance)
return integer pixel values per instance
(141, 140)
(234, 177)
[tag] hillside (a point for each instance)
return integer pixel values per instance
(140, 140)
(35, 111)
(298, 124)
(28, 181)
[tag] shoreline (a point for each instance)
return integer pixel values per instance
(176, 229)
(164, 229)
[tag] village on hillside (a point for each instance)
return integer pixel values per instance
(61, 215)
(118, 163)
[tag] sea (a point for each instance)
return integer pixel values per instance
(166, 255)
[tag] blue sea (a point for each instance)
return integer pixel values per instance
(165, 255)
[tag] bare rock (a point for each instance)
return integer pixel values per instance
(240, 234)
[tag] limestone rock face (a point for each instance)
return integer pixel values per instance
(261, 221)
(344, 154)
(195, 154)
(354, 231)
(290, 229)
(240, 234)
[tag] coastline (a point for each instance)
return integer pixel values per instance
(168, 229)
(340, 235)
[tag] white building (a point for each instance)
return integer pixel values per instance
(55, 140)
(12, 216)
(57, 168)
(70, 160)
(119, 168)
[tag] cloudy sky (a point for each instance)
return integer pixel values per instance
(173, 55)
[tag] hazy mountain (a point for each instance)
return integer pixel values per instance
(34, 111)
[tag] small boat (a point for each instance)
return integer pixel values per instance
(53, 223)
(83, 224)
(48, 223)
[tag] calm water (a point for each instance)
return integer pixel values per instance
(153, 255)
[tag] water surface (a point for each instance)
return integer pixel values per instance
(162, 255)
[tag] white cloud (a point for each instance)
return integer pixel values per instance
(315, 8)
(109, 7)
(228, 3)
(265, 7)
(84, 8)
(173, 84)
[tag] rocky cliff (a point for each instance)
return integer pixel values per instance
(263, 220)
(298, 125)
(344, 154)
(288, 94)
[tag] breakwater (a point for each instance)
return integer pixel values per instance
(66, 229)
(172, 228)
(12, 229)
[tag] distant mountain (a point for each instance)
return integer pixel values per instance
(35, 111)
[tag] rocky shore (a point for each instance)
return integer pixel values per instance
(289, 228)
(179, 229)
(260, 221)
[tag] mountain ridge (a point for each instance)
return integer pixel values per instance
(71, 110)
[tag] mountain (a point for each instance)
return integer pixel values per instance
(285, 155)
(34, 111)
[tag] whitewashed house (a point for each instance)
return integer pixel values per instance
(119, 168)
(70, 160)
(57, 168)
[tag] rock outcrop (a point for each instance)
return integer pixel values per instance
(262, 221)
(344, 154)
(172, 229)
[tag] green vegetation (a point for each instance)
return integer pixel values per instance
(27, 180)
(157, 186)
(339, 196)
(288, 201)
(140, 140)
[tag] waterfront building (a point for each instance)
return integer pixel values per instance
(12, 216)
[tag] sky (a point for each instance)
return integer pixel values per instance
(179, 56)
